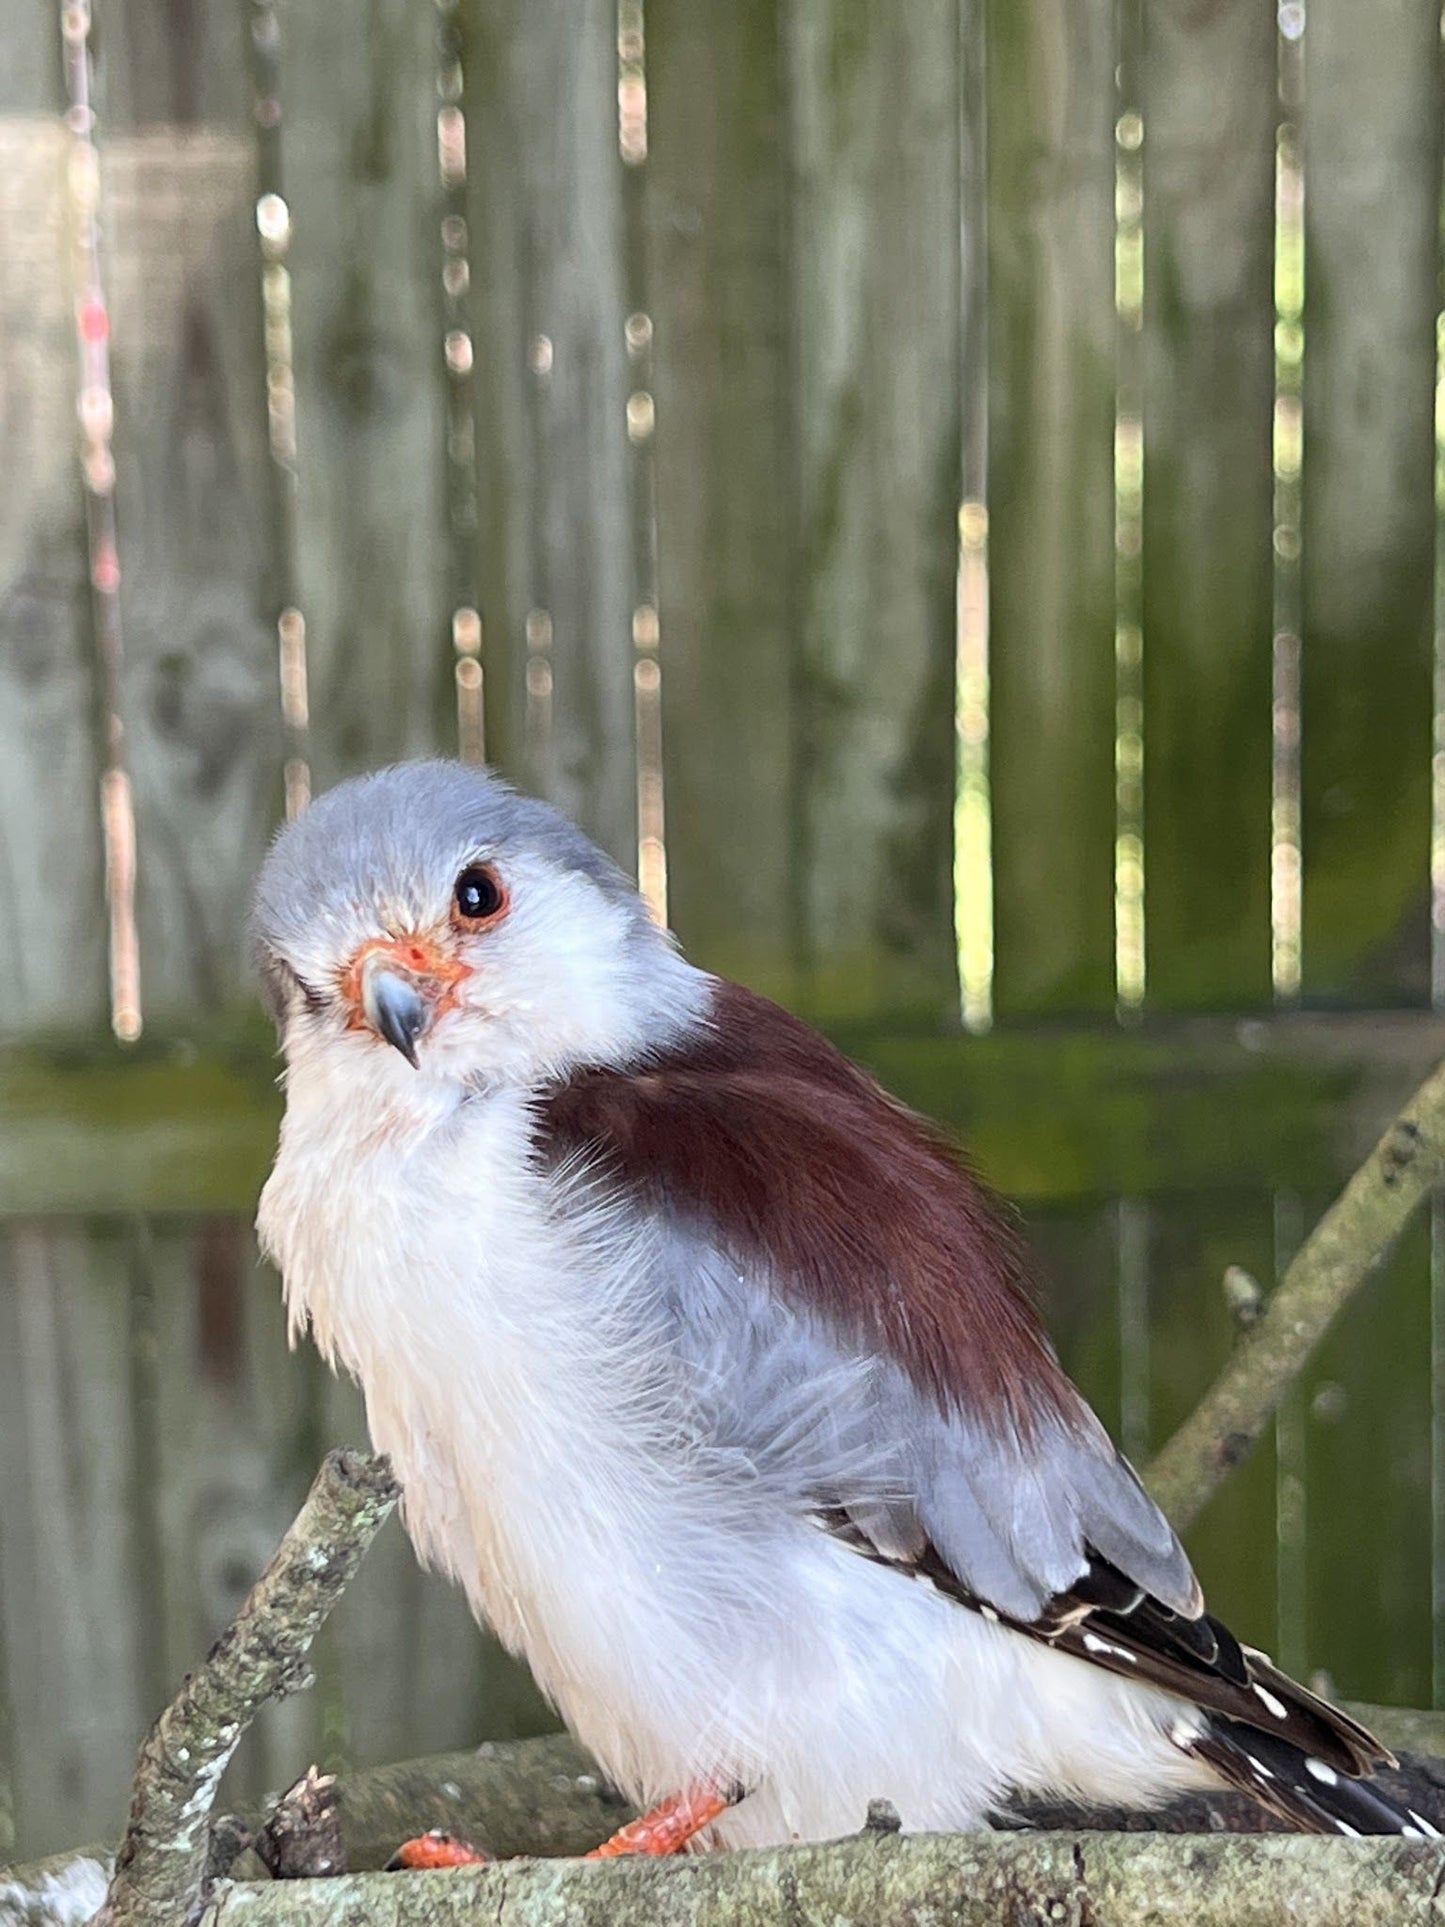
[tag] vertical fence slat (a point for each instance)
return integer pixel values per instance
(548, 269)
(716, 235)
(67, 1520)
(1074, 1255)
(178, 172)
(358, 157)
(875, 227)
(49, 823)
(222, 1411)
(1051, 500)
(1368, 1484)
(1209, 107)
(808, 488)
(1373, 114)
(1192, 1240)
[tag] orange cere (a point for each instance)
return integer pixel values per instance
(419, 957)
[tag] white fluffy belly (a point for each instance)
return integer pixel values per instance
(515, 1369)
(791, 1665)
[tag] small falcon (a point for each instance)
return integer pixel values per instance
(710, 1373)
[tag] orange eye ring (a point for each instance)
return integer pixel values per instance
(479, 898)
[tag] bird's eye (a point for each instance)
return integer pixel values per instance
(478, 895)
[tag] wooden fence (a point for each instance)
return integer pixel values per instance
(948, 491)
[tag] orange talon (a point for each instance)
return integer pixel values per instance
(435, 1849)
(667, 1829)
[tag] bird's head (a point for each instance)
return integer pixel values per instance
(427, 920)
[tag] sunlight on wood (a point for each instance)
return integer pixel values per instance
(641, 416)
(274, 230)
(631, 83)
(461, 432)
(651, 846)
(1129, 951)
(295, 709)
(646, 627)
(95, 408)
(1437, 1451)
(467, 642)
(538, 724)
(118, 813)
(273, 224)
(973, 892)
(1437, 785)
(1286, 867)
(1437, 998)
(973, 839)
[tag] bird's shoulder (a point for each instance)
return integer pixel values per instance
(796, 1159)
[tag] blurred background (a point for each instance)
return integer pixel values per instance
(946, 492)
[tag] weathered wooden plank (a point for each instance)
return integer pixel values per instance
(1373, 117)
(52, 939)
(69, 1513)
(550, 355)
(1368, 1501)
(1074, 1251)
(199, 690)
(224, 1413)
(715, 187)
(1192, 1239)
(358, 157)
(199, 699)
(1209, 111)
(1051, 500)
(874, 221)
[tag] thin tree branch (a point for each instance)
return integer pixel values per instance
(1345, 1246)
(161, 1869)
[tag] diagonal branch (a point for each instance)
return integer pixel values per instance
(1349, 1241)
(161, 1870)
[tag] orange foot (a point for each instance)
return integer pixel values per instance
(665, 1830)
(668, 1828)
(435, 1849)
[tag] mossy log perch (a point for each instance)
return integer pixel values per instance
(968, 1880)
(545, 1797)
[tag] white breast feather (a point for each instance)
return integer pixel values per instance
(508, 1336)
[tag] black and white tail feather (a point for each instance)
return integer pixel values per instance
(1299, 1787)
(1263, 1733)
(1304, 1760)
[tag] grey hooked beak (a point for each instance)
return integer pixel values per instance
(394, 1007)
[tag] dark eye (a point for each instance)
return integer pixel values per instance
(478, 894)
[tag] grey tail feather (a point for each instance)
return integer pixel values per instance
(1295, 1786)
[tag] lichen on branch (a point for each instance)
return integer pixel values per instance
(162, 1867)
(968, 1880)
